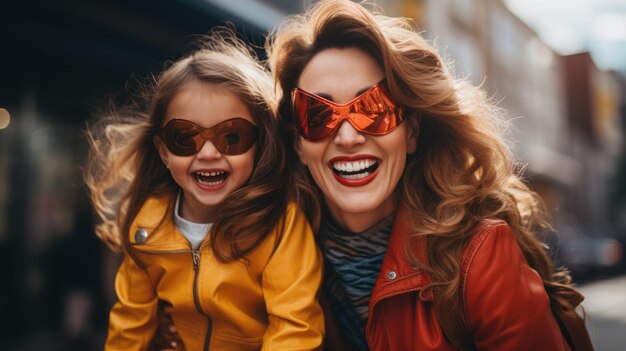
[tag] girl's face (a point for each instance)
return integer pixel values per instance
(357, 173)
(208, 176)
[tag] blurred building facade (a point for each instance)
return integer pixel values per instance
(567, 114)
(594, 99)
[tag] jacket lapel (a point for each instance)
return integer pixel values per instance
(397, 274)
(156, 219)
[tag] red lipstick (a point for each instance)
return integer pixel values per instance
(342, 175)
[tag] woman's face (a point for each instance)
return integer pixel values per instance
(356, 172)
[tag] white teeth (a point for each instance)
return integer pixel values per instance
(211, 174)
(356, 176)
(210, 183)
(354, 166)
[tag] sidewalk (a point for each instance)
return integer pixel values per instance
(605, 305)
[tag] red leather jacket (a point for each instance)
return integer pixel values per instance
(506, 304)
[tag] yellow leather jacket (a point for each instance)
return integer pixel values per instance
(268, 302)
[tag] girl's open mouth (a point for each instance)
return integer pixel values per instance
(213, 178)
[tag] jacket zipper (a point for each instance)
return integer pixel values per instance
(195, 256)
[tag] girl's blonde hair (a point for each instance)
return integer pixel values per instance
(124, 167)
(462, 171)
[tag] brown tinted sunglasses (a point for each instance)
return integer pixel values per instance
(372, 112)
(231, 137)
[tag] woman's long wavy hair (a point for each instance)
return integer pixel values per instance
(462, 171)
(124, 167)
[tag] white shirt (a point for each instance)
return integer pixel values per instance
(194, 232)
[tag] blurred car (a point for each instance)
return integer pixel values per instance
(587, 256)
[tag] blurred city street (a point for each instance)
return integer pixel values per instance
(605, 305)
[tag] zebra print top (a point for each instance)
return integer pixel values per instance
(352, 263)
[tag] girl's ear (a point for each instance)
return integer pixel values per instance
(160, 146)
(413, 132)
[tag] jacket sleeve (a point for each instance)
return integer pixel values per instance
(507, 305)
(132, 321)
(291, 281)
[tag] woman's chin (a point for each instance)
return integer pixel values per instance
(361, 206)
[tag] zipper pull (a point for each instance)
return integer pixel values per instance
(195, 255)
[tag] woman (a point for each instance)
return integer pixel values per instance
(431, 240)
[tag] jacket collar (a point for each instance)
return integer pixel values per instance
(156, 218)
(397, 275)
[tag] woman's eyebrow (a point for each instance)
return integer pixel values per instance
(360, 92)
(325, 96)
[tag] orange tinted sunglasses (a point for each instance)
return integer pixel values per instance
(231, 137)
(372, 112)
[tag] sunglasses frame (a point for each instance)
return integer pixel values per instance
(345, 112)
(204, 134)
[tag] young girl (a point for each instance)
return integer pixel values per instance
(194, 192)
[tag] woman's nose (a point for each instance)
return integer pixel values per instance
(347, 136)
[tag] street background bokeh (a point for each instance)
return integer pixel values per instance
(63, 62)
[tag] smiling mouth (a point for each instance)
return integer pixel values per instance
(355, 170)
(211, 178)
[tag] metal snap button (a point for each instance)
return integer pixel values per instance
(141, 235)
(391, 275)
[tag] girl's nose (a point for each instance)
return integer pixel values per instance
(208, 151)
(347, 136)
